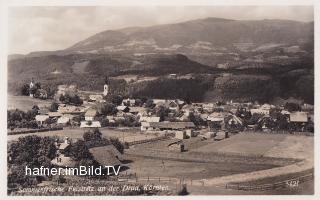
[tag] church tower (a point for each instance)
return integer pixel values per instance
(106, 87)
(31, 87)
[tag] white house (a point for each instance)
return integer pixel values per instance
(41, 118)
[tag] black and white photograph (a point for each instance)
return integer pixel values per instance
(160, 100)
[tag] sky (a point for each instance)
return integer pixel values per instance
(55, 28)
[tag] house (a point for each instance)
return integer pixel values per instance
(190, 133)
(180, 135)
(259, 111)
(95, 97)
(216, 117)
(63, 120)
(159, 101)
(106, 155)
(149, 119)
(41, 118)
(63, 147)
(90, 124)
(61, 159)
(208, 107)
(67, 109)
(216, 120)
(172, 105)
(166, 125)
(54, 114)
(172, 76)
(233, 120)
(137, 110)
(90, 114)
(299, 117)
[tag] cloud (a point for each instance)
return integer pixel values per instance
(54, 28)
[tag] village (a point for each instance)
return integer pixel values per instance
(117, 129)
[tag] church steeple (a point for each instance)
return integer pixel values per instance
(106, 86)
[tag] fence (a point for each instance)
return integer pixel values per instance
(34, 130)
(281, 132)
(147, 140)
(287, 183)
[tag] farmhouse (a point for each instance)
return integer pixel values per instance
(299, 117)
(41, 118)
(64, 120)
(90, 114)
(106, 155)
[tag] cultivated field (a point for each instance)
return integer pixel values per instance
(77, 133)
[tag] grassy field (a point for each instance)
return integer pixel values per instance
(25, 103)
(247, 144)
(77, 133)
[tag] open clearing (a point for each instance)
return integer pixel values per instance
(24, 103)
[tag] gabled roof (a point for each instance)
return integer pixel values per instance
(149, 119)
(63, 145)
(137, 109)
(63, 120)
(122, 108)
(216, 116)
(54, 114)
(91, 113)
(41, 118)
(172, 125)
(105, 155)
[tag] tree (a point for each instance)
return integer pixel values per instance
(162, 112)
(115, 99)
(25, 90)
(292, 107)
(117, 144)
(107, 109)
(27, 150)
(54, 107)
(79, 151)
(196, 119)
(92, 135)
(149, 103)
